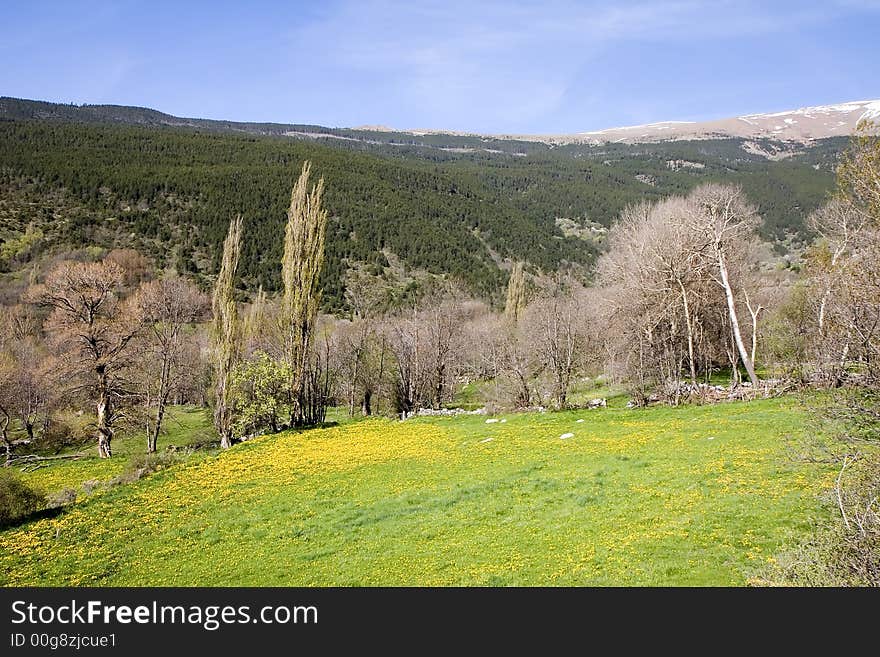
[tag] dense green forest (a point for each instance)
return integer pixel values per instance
(441, 203)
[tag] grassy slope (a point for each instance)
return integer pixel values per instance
(635, 497)
(182, 427)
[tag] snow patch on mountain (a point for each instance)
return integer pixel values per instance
(798, 125)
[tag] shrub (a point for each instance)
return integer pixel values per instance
(17, 499)
(141, 465)
(62, 498)
(66, 430)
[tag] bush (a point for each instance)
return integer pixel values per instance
(66, 430)
(17, 499)
(62, 498)
(141, 465)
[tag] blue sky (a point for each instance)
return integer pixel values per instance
(498, 67)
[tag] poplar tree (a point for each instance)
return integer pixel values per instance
(300, 270)
(516, 293)
(226, 332)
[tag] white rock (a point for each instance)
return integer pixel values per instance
(503, 420)
(579, 421)
(492, 420)
(486, 440)
(567, 435)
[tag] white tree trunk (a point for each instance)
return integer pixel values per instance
(690, 333)
(105, 432)
(754, 312)
(734, 321)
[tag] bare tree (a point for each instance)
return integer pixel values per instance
(32, 395)
(136, 267)
(837, 225)
(7, 404)
(518, 362)
(93, 331)
(168, 306)
(320, 375)
(353, 339)
(442, 321)
(858, 177)
(408, 343)
(555, 323)
(728, 219)
(853, 321)
(660, 279)
(653, 280)
(27, 393)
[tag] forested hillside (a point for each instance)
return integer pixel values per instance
(439, 206)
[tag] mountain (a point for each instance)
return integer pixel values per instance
(800, 125)
(401, 204)
(19, 109)
(804, 124)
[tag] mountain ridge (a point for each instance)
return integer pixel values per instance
(802, 125)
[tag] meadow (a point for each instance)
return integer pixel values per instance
(695, 495)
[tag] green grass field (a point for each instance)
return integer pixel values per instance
(700, 495)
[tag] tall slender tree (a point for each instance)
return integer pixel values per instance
(226, 332)
(300, 270)
(516, 293)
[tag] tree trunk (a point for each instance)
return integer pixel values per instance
(561, 396)
(822, 305)
(352, 386)
(524, 395)
(840, 373)
(226, 439)
(734, 367)
(438, 389)
(754, 336)
(4, 425)
(734, 321)
(754, 312)
(105, 432)
(154, 435)
(690, 333)
(366, 407)
(161, 402)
